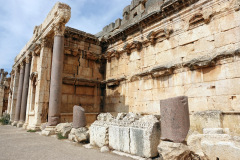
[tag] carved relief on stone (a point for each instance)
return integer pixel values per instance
(200, 18)
(161, 34)
(237, 5)
(127, 48)
(59, 29)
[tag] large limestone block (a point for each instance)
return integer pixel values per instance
(119, 138)
(206, 119)
(99, 135)
(175, 121)
(145, 136)
(215, 146)
(64, 129)
(79, 119)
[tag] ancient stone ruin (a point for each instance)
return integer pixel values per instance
(124, 75)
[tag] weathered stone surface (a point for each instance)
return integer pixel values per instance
(99, 135)
(129, 133)
(213, 146)
(104, 149)
(64, 129)
(176, 151)
(206, 119)
(145, 136)
(79, 119)
(175, 121)
(79, 135)
(212, 130)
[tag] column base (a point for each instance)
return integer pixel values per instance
(15, 123)
(49, 130)
(33, 127)
(25, 125)
(20, 124)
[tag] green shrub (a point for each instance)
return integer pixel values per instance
(5, 120)
(32, 131)
(59, 136)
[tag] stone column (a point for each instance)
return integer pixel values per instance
(1, 75)
(14, 95)
(25, 92)
(19, 96)
(56, 76)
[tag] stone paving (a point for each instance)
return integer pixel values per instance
(18, 144)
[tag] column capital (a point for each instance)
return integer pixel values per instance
(28, 58)
(46, 42)
(59, 29)
(21, 65)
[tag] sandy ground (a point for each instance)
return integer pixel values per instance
(17, 144)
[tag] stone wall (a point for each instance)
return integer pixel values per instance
(81, 74)
(192, 52)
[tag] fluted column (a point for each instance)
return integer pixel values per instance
(25, 91)
(56, 76)
(19, 95)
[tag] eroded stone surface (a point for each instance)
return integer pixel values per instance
(64, 129)
(79, 135)
(79, 119)
(129, 133)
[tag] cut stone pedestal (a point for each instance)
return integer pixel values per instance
(20, 124)
(175, 121)
(49, 130)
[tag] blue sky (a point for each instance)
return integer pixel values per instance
(18, 18)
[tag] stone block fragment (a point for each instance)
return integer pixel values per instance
(79, 119)
(175, 121)
(145, 136)
(79, 135)
(99, 135)
(64, 129)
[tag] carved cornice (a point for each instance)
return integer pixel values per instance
(59, 29)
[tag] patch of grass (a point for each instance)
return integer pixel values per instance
(5, 120)
(59, 136)
(31, 131)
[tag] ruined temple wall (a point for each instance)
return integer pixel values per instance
(191, 40)
(80, 79)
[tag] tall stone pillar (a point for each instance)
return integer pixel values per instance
(1, 75)
(14, 95)
(19, 96)
(56, 76)
(25, 92)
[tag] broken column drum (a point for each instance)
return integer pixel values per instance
(79, 119)
(175, 121)
(56, 76)
(25, 90)
(19, 95)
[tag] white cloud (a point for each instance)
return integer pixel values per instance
(18, 18)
